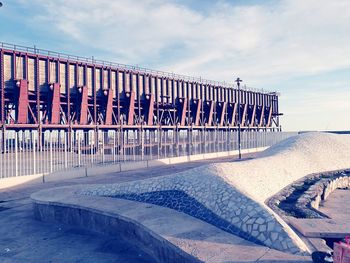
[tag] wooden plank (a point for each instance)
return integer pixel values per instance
(72, 78)
(63, 80)
(20, 67)
(81, 76)
(53, 72)
(97, 80)
(89, 80)
(113, 83)
(31, 74)
(8, 71)
(42, 75)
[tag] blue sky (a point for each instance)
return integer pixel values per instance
(300, 48)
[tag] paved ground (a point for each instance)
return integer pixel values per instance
(337, 206)
(22, 239)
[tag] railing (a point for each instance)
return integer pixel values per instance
(30, 152)
(44, 52)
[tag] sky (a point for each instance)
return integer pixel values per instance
(300, 48)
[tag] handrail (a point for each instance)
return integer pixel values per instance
(92, 60)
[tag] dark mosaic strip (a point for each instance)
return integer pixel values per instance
(180, 201)
(295, 200)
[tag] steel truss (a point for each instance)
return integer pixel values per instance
(44, 90)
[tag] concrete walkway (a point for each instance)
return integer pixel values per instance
(23, 239)
(337, 207)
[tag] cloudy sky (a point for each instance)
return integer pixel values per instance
(300, 48)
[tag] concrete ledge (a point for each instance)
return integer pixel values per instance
(323, 190)
(319, 186)
(165, 234)
(112, 224)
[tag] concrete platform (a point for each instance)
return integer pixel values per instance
(337, 207)
(325, 228)
(165, 234)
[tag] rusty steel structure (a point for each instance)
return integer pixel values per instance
(44, 90)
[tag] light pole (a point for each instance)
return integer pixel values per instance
(238, 81)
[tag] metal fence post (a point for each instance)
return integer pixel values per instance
(16, 154)
(114, 156)
(34, 150)
(65, 151)
(142, 144)
(91, 147)
(78, 142)
(51, 164)
(103, 147)
(158, 143)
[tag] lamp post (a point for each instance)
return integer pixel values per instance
(238, 81)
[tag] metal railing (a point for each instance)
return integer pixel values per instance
(30, 152)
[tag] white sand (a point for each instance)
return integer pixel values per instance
(286, 162)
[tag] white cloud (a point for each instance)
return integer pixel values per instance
(256, 42)
(263, 44)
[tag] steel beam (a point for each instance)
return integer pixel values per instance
(221, 111)
(149, 109)
(23, 101)
(55, 103)
(109, 107)
(131, 107)
(209, 112)
(83, 112)
(196, 111)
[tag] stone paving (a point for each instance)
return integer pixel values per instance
(182, 202)
(247, 218)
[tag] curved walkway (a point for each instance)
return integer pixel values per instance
(166, 234)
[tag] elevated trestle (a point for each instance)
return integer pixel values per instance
(46, 90)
